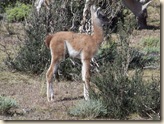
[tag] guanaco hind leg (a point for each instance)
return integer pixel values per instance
(49, 76)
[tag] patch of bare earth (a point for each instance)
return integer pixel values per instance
(32, 101)
(29, 91)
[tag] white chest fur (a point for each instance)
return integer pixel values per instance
(72, 52)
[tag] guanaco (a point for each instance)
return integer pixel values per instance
(77, 45)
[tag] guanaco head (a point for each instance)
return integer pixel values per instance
(98, 16)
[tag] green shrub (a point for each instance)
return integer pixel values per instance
(138, 58)
(150, 42)
(120, 94)
(141, 60)
(6, 104)
(6, 3)
(18, 12)
(151, 45)
(89, 109)
(106, 53)
(33, 56)
(123, 95)
(152, 50)
(70, 69)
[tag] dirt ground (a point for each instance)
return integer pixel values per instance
(33, 103)
(29, 90)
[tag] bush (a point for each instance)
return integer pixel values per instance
(33, 56)
(151, 50)
(150, 42)
(6, 104)
(6, 3)
(120, 94)
(124, 95)
(91, 109)
(70, 69)
(33, 52)
(140, 60)
(18, 12)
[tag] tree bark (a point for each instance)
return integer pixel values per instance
(85, 23)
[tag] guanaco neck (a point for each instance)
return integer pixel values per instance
(98, 33)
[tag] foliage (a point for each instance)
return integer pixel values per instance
(33, 55)
(18, 12)
(70, 69)
(107, 53)
(6, 3)
(89, 109)
(124, 95)
(151, 45)
(118, 94)
(149, 54)
(138, 58)
(6, 104)
(60, 17)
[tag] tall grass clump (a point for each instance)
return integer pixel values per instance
(6, 104)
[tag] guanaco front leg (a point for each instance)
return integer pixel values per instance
(86, 77)
(49, 76)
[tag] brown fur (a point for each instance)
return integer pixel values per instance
(89, 44)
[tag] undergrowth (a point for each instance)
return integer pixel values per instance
(89, 109)
(121, 94)
(18, 13)
(6, 104)
(151, 45)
